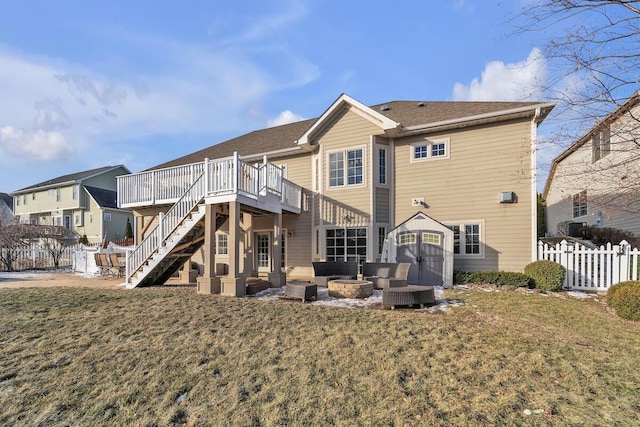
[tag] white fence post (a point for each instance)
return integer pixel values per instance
(564, 261)
(624, 261)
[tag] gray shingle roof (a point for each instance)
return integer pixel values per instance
(7, 199)
(104, 198)
(407, 113)
(69, 178)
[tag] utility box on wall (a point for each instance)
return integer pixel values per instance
(507, 197)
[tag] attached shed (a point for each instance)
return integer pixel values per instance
(427, 245)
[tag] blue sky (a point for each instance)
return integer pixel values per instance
(89, 84)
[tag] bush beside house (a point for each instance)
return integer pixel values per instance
(624, 298)
(546, 275)
(497, 278)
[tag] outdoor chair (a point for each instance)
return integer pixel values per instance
(102, 268)
(117, 264)
(106, 268)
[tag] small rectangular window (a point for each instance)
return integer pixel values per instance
(420, 152)
(382, 234)
(58, 194)
(24, 199)
(33, 196)
(223, 244)
(407, 239)
(431, 238)
(605, 142)
(428, 150)
(382, 166)
(438, 150)
(107, 216)
(74, 192)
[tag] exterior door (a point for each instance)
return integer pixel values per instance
(263, 252)
(424, 250)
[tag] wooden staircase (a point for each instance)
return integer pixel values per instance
(177, 250)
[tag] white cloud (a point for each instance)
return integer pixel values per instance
(39, 145)
(284, 118)
(520, 81)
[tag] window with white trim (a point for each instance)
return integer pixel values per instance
(430, 150)
(346, 168)
(107, 216)
(223, 244)
(347, 244)
(407, 239)
(600, 144)
(579, 204)
(382, 166)
(74, 192)
(467, 239)
(58, 194)
(431, 238)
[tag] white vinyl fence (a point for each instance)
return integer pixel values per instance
(593, 269)
(34, 257)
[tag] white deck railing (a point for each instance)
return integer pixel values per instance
(225, 176)
(593, 269)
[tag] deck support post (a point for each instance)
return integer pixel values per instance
(277, 277)
(233, 284)
(209, 283)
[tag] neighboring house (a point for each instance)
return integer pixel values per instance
(85, 202)
(595, 180)
(6, 208)
(334, 187)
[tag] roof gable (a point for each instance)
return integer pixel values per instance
(74, 177)
(343, 101)
(610, 118)
(104, 198)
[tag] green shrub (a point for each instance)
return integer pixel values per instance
(546, 275)
(498, 278)
(624, 298)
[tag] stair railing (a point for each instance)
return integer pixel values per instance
(167, 223)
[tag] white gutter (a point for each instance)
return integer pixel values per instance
(282, 152)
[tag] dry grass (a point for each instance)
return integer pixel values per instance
(101, 357)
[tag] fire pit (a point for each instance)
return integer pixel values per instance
(350, 288)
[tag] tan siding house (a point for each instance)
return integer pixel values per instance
(66, 201)
(594, 181)
(357, 172)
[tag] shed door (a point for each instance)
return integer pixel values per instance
(424, 250)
